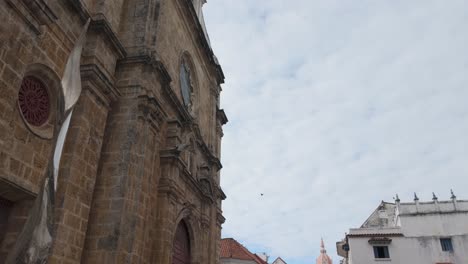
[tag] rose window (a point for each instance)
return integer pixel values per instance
(34, 101)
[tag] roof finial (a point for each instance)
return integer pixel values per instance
(453, 197)
(397, 199)
(416, 197)
(434, 197)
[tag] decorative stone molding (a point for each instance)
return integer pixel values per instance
(380, 241)
(152, 60)
(205, 150)
(204, 222)
(207, 188)
(14, 192)
(100, 24)
(35, 13)
(150, 109)
(168, 187)
(94, 79)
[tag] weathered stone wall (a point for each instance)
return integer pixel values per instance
(136, 161)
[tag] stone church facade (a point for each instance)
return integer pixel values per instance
(140, 171)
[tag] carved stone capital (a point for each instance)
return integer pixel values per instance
(94, 79)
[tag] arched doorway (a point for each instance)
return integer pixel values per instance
(181, 246)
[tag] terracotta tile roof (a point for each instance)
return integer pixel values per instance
(259, 259)
(230, 248)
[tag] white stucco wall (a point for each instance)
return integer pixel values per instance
(421, 250)
(420, 242)
(435, 224)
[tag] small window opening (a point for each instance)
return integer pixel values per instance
(446, 244)
(381, 252)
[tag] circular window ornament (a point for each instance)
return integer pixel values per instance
(34, 101)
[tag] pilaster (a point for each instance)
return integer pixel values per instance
(126, 180)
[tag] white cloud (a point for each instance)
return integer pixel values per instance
(334, 106)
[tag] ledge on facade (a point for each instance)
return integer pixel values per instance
(151, 59)
(380, 241)
(375, 232)
(100, 23)
(14, 192)
(93, 74)
(205, 149)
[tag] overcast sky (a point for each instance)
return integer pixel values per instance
(334, 106)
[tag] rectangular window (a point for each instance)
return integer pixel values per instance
(381, 252)
(446, 244)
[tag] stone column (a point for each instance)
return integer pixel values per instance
(122, 193)
(82, 151)
(79, 166)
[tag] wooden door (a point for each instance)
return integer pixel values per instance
(181, 247)
(5, 207)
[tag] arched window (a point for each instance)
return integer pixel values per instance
(181, 246)
(186, 84)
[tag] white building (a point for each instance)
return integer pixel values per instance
(279, 260)
(433, 232)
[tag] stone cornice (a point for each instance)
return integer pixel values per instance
(99, 83)
(100, 24)
(149, 108)
(151, 60)
(205, 149)
(173, 157)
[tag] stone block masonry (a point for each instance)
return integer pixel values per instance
(138, 163)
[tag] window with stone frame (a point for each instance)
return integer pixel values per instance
(186, 87)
